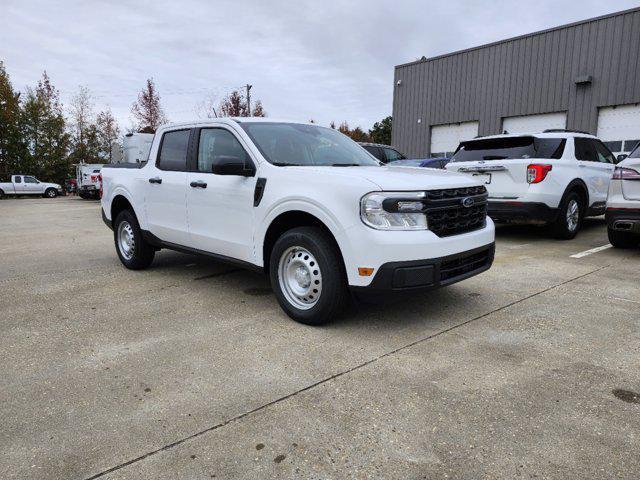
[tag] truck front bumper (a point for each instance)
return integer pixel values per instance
(420, 275)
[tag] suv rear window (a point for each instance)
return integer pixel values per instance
(509, 148)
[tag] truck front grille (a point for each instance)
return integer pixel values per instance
(453, 211)
(459, 266)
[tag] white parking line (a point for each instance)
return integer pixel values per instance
(593, 250)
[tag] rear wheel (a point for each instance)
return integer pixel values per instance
(570, 217)
(133, 251)
(307, 276)
(51, 193)
(1, 194)
(621, 239)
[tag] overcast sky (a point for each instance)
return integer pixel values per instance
(326, 60)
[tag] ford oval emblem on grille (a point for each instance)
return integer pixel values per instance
(468, 202)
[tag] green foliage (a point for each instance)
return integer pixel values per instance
(44, 133)
(381, 131)
(12, 147)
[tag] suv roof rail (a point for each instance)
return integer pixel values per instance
(564, 130)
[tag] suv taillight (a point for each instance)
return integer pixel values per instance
(537, 172)
(621, 173)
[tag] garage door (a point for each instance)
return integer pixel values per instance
(445, 138)
(534, 123)
(619, 127)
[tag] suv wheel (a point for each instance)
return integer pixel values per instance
(569, 218)
(307, 276)
(51, 193)
(622, 239)
(133, 251)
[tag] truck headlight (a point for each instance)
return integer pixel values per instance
(394, 210)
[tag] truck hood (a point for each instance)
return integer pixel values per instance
(402, 178)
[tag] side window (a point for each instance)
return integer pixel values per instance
(17, 179)
(603, 153)
(30, 180)
(392, 154)
(173, 151)
(217, 145)
(585, 149)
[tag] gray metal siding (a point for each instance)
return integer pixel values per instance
(522, 76)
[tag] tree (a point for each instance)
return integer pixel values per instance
(84, 132)
(12, 147)
(108, 133)
(45, 134)
(235, 105)
(381, 131)
(147, 109)
(357, 134)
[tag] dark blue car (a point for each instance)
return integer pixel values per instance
(438, 162)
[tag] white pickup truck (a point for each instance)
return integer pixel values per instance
(302, 203)
(28, 185)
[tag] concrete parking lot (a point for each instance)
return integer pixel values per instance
(191, 370)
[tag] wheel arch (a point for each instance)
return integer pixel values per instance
(286, 221)
(577, 185)
(120, 203)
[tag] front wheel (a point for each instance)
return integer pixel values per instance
(133, 251)
(569, 218)
(307, 276)
(621, 239)
(51, 193)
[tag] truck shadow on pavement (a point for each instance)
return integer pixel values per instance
(543, 232)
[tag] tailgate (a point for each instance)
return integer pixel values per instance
(631, 188)
(503, 178)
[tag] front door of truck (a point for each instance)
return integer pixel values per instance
(220, 207)
(166, 186)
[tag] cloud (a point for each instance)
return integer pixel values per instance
(326, 60)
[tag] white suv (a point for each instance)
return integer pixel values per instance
(623, 203)
(556, 177)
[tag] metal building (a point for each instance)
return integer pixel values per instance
(583, 76)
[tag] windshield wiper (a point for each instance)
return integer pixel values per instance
(494, 157)
(284, 164)
(345, 165)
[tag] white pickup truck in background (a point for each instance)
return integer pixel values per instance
(29, 185)
(88, 180)
(302, 203)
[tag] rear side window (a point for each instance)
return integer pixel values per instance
(17, 179)
(585, 149)
(509, 148)
(173, 151)
(217, 145)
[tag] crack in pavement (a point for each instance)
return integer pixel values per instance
(334, 376)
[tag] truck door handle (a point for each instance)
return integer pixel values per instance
(155, 180)
(198, 184)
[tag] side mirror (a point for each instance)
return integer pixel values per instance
(232, 165)
(621, 157)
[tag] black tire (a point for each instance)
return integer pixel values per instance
(1, 194)
(563, 228)
(141, 254)
(334, 294)
(621, 239)
(50, 193)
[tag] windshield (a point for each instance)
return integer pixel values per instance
(286, 144)
(509, 148)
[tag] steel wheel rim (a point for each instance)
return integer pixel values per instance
(573, 215)
(52, 194)
(300, 277)
(126, 240)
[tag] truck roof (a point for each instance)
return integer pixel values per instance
(230, 121)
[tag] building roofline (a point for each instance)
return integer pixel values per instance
(520, 37)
